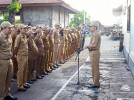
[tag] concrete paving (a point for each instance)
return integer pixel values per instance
(116, 81)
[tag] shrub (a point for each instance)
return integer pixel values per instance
(18, 22)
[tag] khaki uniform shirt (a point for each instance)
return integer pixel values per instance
(51, 42)
(40, 45)
(96, 39)
(69, 38)
(32, 49)
(56, 37)
(5, 46)
(66, 40)
(46, 42)
(14, 35)
(22, 45)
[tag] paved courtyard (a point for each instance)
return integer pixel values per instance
(116, 80)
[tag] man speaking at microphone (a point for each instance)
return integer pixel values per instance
(94, 53)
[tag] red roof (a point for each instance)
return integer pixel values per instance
(28, 3)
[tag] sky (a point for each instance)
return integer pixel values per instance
(100, 10)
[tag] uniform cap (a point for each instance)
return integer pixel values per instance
(21, 26)
(6, 24)
(33, 28)
(94, 23)
(30, 32)
(39, 31)
(45, 28)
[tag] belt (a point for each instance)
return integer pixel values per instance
(93, 49)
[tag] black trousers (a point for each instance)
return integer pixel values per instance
(83, 42)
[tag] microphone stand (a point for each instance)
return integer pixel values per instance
(77, 56)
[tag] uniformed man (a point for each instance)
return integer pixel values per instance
(56, 45)
(15, 64)
(32, 56)
(66, 45)
(51, 49)
(94, 52)
(40, 57)
(69, 43)
(6, 65)
(79, 38)
(46, 50)
(62, 46)
(21, 51)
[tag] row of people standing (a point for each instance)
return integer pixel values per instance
(38, 49)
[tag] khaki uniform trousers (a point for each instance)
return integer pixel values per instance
(66, 53)
(15, 66)
(56, 54)
(51, 59)
(31, 68)
(6, 72)
(39, 65)
(46, 60)
(22, 70)
(94, 58)
(69, 49)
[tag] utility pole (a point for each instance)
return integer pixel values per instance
(84, 17)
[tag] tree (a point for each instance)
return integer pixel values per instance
(13, 8)
(78, 19)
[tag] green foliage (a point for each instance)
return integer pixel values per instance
(79, 19)
(18, 22)
(1, 21)
(6, 18)
(15, 7)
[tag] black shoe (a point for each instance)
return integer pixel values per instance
(30, 82)
(93, 86)
(45, 73)
(22, 89)
(49, 71)
(39, 77)
(42, 75)
(26, 86)
(10, 98)
(55, 66)
(34, 80)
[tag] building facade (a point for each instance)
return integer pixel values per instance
(128, 31)
(42, 12)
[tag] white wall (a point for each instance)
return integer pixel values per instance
(126, 34)
(132, 30)
(37, 15)
(66, 18)
(62, 17)
(55, 16)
